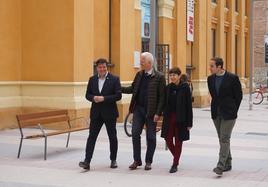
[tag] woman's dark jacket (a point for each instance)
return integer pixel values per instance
(184, 111)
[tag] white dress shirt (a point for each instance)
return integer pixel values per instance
(101, 82)
(149, 72)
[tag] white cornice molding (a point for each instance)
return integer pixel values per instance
(47, 83)
(70, 95)
(165, 8)
(42, 83)
(137, 4)
(3, 83)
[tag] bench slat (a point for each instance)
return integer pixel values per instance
(34, 122)
(35, 136)
(41, 114)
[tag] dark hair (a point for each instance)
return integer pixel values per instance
(175, 70)
(218, 61)
(184, 78)
(101, 61)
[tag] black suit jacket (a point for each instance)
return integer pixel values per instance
(111, 91)
(229, 98)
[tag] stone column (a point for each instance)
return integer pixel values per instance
(220, 51)
(241, 41)
(231, 37)
(166, 27)
(200, 54)
(180, 58)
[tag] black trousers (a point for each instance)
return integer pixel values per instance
(95, 127)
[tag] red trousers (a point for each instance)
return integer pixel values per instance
(174, 147)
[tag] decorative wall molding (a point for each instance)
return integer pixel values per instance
(165, 8)
(137, 4)
(67, 95)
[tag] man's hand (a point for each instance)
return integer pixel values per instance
(98, 99)
(156, 118)
(95, 98)
(101, 98)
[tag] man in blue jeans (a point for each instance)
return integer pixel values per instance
(226, 92)
(147, 89)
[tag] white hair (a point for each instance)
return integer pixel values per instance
(149, 57)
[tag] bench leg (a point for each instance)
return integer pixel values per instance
(68, 138)
(20, 148)
(45, 151)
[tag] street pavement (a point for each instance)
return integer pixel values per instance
(249, 145)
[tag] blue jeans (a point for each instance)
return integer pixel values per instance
(139, 119)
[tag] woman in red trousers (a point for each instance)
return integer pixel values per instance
(178, 116)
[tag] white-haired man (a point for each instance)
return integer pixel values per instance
(147, 89)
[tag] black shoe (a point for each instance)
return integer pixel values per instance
(173, 169)
(85, 165)
(113, 164)
(228, 168)
(148, 166)
(218, 171)
(135, 164)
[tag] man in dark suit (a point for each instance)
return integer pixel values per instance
(103, 90)
(148, 98)
(226, 92)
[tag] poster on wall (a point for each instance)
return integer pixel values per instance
(145, 18)
(137, 59)
(190, 20)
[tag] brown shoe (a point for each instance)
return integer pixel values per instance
(148, 166)
(134, 165)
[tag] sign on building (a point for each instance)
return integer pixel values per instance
(145, 18)
(190, 20)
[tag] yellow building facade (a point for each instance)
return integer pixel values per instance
(47, 48)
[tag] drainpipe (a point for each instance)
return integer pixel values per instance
(251, 55)
(153, 29)
(110, 31)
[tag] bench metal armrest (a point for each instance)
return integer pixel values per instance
(42, 130)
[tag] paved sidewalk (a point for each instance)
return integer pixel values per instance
(249, 149)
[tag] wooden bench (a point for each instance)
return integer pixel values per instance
(42, 118)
